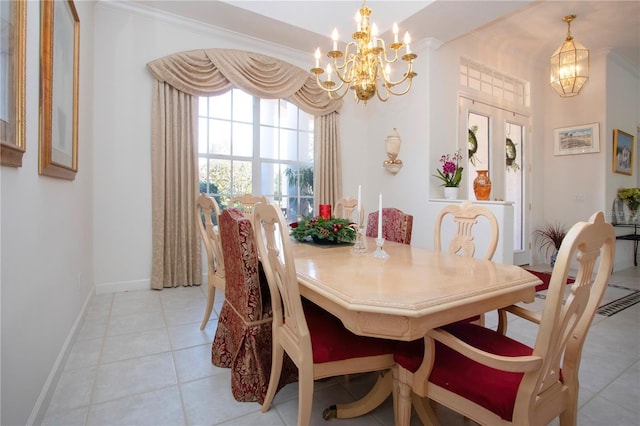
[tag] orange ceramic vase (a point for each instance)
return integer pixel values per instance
(482, 185)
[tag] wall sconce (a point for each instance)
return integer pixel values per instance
(392, 144)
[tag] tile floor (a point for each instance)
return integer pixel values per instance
(141, 359)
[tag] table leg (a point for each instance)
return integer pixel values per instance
(376, 396)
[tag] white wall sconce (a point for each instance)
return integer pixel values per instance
(392, 144)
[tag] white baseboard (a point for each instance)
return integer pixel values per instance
(42, 403)
(117, 287)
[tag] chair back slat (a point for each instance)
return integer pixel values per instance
(465, 216)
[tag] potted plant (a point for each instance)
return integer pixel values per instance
(451, 173)
(549, 239)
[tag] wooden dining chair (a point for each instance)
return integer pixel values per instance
(207, 211)
(246, 203)
(494, 379)
(346, 207)
(465, 216)
(243, 337)
(315, 340)
(396, 225)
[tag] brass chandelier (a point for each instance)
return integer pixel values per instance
(365, 67)
(569, 65)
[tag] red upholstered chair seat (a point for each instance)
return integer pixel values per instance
(331, 341)
(493, 389)
(545, 277)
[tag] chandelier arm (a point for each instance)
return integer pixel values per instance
(346, 57)
(384, 52)
(384, 98)
(410, 81)
(347, 67)
(408, 75)
(327, 88)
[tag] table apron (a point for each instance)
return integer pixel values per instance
(411, 327)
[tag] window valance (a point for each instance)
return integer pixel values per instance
(210, 72)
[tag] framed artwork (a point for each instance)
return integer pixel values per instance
(622, 152)
(582, 139)
(59, 71)
(12, 88)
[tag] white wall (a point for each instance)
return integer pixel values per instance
(46, 244)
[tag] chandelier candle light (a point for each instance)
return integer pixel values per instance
(366, 67)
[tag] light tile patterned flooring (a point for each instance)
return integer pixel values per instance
(141, 359)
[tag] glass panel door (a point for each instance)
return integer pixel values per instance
(497, 141)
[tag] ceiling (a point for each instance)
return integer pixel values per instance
(532, 29)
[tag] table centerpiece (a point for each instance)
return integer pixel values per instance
(324, 231)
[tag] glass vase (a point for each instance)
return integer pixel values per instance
(482, 185)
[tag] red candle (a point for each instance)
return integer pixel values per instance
(325, 211)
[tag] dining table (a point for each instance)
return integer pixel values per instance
(403, 296)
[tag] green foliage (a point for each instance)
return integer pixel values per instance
(338, 230)
(631, 197)
(302, 177)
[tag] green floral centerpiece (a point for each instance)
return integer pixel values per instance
(631, 197)
(322, 230)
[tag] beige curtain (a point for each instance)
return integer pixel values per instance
(174, 175)
(180, 78)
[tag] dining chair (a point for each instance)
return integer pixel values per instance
(206, 210)
(465, 216)
(246, 203)
(396, 225)
(494, 379)
(243, 338)
(346, 207)
(315, 340)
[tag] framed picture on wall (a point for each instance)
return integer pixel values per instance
(582, 139)
(12, 86)
(59, 73)
(622, 152)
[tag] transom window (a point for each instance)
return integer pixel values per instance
(249, 145)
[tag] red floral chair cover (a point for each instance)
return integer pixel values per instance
(243, 337)
(396, 225)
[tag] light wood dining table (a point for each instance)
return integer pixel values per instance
(402, 297)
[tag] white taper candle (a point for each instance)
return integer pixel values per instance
(380, 216)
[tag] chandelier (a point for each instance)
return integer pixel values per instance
(569, 65)
(366, 68)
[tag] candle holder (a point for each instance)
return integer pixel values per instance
(380, 253)
(360, 246)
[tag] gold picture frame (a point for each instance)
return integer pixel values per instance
(12, 92)
(59, 74)
(622, 152)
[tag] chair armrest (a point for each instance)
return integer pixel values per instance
(524, 313)
(517, 364)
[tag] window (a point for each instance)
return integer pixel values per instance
(249, 145)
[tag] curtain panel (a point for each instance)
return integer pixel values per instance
(180, 79)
